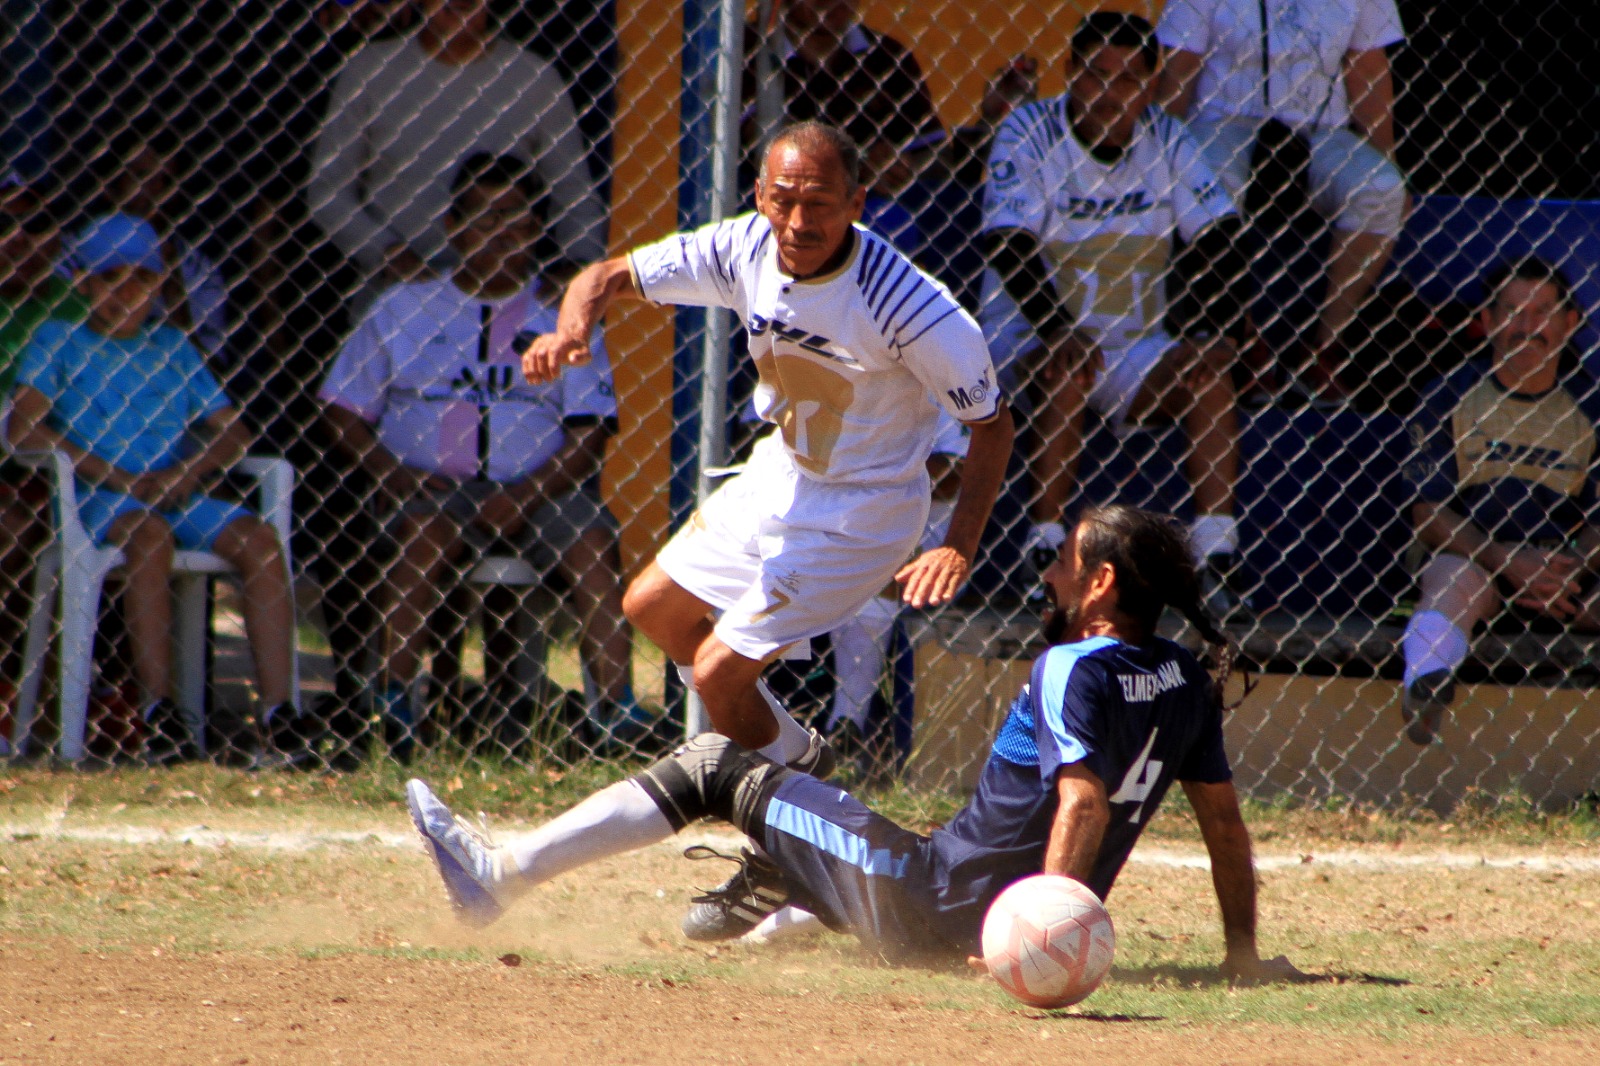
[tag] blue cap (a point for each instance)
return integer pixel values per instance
(113, 241)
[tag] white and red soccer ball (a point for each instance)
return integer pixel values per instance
(1048, 940)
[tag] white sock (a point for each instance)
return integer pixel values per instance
(685, 674)
(614, 820)
(859, 648)
(1213, 534)
(1432, 642)
(793, 738)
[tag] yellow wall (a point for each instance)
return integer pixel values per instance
(959, 44)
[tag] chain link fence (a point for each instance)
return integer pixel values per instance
(350, 216)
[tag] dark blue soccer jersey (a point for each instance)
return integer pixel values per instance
(1524, 468)
(1139, 717)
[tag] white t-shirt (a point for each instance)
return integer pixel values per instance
(439, 373)
(1308, 40)
(846, 361)
(1105, 229)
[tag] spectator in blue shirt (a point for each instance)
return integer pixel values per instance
(124, 397)
(1507, 487)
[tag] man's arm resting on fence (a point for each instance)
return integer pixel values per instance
(1233, 875)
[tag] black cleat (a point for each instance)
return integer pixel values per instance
(1424, 703)
(740, 903)
(168, 743)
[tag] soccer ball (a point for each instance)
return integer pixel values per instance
(1048, 940)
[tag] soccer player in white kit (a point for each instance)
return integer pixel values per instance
(1087, 194)
(851, 340)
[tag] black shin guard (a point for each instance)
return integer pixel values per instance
(712, 777)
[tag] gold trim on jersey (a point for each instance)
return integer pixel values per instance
(1546, 440)
(1113, 275)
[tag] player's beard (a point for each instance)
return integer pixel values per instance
(1063, 622)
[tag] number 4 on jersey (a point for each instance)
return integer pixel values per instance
(1140, 779)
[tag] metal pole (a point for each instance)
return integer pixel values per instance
(724, 199)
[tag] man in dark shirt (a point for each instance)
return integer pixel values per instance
(1505, 477)
(1111, 716)
(838, 71)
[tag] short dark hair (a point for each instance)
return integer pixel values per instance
(1119, 29)
(810, 135)
(1154, 570)
(1527, 268)
(497, 172)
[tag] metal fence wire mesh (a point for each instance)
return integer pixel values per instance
(1242, 270)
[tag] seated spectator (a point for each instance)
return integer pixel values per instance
(1010, 87)
(1327, 81)
(123, 396)
(836, 70)
(1508, 495)
(1087, 195)
(139, 170)
(405, 112)
(428, 395)
(861, 645)
(30, 292)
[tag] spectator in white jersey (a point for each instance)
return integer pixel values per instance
(426, 396)
(1088, 194)
(857, 350)
(1318, 71)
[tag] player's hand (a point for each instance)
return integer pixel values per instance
(1245, 971)
(550, 353)
(1545, 581)
(1071, 355)
(933, 577)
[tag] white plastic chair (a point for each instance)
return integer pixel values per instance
(73, 571)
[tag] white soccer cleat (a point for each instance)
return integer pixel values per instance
(462, 852)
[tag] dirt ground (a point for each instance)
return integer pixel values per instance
(61, 1004)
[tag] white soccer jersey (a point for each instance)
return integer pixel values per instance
(1306, 43)
(1106, 229)
(846, 361)
(439, 373)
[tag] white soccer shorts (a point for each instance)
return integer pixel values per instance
(786, 558)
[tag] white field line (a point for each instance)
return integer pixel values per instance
(202, 836)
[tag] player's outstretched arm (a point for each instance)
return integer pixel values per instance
(934, 577)
(1233, 875)
(588, 298)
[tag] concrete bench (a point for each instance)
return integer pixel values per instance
(1323, 721)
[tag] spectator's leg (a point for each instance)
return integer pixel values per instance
(427, 545)
(859, 648)
(605, 641)
(1364, 195)
(146, 540)
(1355, 261)
(251, 546)
(1456, 595)
(1057, 443)
(1195, 387)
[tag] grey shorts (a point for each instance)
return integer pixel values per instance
(552, 530)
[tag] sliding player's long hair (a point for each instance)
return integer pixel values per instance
(1155, 570)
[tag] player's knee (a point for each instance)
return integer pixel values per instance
(711, 777)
